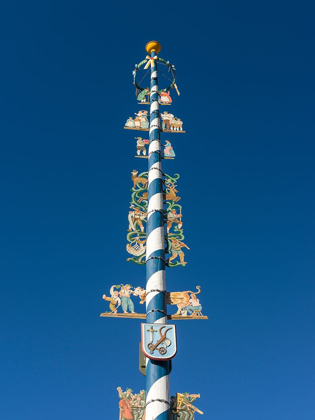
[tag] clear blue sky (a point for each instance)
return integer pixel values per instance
(246, 76)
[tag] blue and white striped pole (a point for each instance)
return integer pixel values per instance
(157, 372)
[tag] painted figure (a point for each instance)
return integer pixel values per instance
(142, 97)
(176, 249)
(138, 406)
(184, 406)
(141, 120)
(187, 411)
(125, 409)
(130, 123)
(173, 217)
(165, 98)
(141, 145)
(114, 300)
(166, 120)
(176, 124)
(168, 149)
(126, 301)
(135, 218)
(191, 306)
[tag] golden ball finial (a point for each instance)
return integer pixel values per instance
(153, 46)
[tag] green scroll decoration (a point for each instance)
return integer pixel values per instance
(174, 224)
(137, 218)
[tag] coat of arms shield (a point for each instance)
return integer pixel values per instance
(158, 341)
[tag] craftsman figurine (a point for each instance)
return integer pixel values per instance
(165, 98)
(166, 120)
(184, 406)
(173, 217)
(130, 123)
(114, 300)
(126, 301)
(188, 412)
(141, 145)
(143, 94)
(191, 306)
(125, 408)
(176, 250)
(168, 149)
(138, 406)
(135, 218)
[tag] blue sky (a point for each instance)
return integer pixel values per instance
(246, 75)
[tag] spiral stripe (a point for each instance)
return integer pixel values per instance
(155, 240)
(153, 205)
(157, 374)
(155, 146)
(158, 386)
(155, 187)
(158, 256)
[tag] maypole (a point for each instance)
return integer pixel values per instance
(157, 376)
(155, 239)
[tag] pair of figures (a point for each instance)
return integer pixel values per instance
(120, 298)
(142, 144)
(164, 97)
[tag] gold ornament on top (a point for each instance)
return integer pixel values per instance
(153, 46)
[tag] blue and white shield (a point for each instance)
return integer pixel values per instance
(158, 341)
